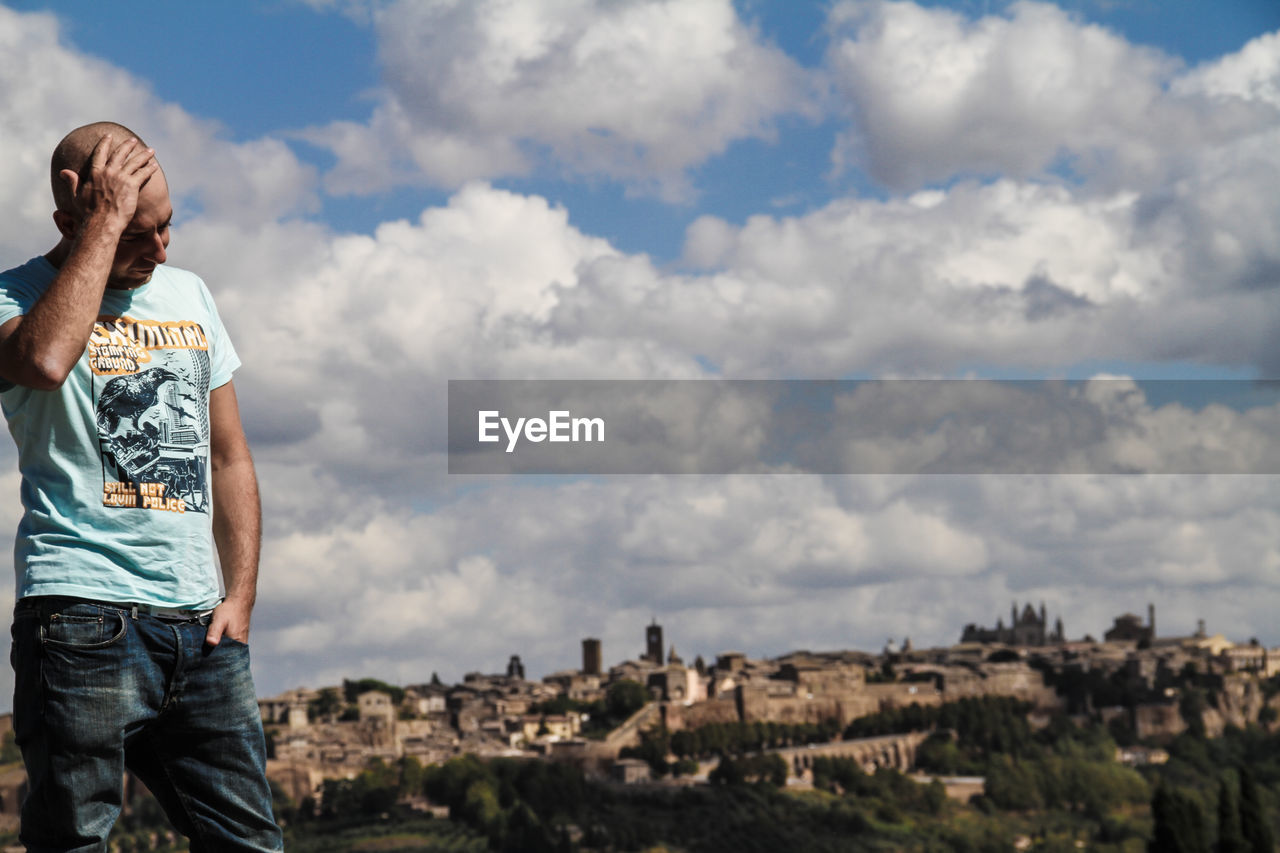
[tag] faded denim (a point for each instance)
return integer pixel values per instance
(99, 689)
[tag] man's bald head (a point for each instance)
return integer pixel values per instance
(132, 186)
(75, 151)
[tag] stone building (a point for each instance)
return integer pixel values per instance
(677, 683)
(534, 727)
(376, 705)
(1026, 629)
(1129, 627)
(629, 771)
(288, 709)
(424, 700)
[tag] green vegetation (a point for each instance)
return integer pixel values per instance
(722, 739)
(1061, 767)
(1259, 836)
(990, 723)
(328, 705)
(1230, 834)
(395, 833)
(1179, 823)
(769, 768)
(846, 776)
(1055, 788)
(351, 690)
(537, 806)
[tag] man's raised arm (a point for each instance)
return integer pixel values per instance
(39, 348)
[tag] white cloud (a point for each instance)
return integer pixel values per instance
(1252, 73)
(512, 568)
(936, 95)
(638, 91)
(348, 341)
(50, 89)
(1027, 275)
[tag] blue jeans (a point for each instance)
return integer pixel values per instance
(99, 689)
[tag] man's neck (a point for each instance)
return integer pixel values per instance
(58, 254)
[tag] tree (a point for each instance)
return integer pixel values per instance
(352, 689)
(935, 797)
(1012, 785)
(684, 767)
(524, 832)
(773, 769)
(480, 806)
(1230, 835)
(1179, 823)
(1253, 820)
(325, 706)
(727, 772)
(412, 776)
(1191, 706)
(624, 698)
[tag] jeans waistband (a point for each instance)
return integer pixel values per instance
(134, 609)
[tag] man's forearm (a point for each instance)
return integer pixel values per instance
(237, 527)
(237, 516)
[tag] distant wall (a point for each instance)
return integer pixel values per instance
(722, 709)
(896, 751)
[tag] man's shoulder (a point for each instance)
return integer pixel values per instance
(21, 286)
(37, 271)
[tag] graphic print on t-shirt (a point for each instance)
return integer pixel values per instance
(152, 409)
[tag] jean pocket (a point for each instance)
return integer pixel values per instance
(85, 627)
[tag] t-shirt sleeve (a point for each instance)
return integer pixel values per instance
(17, 295)
(223, 360)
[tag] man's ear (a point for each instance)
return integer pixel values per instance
(67, 224)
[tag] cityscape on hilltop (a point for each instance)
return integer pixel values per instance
(1133, 680)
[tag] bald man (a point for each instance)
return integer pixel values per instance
(130, 647)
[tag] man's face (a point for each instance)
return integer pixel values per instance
(143, 243)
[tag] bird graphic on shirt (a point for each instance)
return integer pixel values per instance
(128, 397)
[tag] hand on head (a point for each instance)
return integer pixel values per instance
(109, 183)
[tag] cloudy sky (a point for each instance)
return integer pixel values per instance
(384, 196)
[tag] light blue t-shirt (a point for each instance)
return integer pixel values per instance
(115, 463)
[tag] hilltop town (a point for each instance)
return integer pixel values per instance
(1139, 683)
(662, 739)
